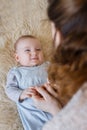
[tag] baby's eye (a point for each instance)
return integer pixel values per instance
(27, 50)
(38, 49)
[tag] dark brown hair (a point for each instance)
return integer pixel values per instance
(69, 63)
(68, 16)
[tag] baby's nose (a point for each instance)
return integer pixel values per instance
(33, 52)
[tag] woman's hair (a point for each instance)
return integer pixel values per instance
(68, 15)
(68, 70)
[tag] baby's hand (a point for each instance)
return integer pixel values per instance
(35, 92)
(27, 93)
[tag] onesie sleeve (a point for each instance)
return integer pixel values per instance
(12, 88)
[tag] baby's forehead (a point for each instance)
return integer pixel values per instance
(28, 42)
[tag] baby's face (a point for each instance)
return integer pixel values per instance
(29, 52)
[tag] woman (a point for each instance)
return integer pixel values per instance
(68, 71)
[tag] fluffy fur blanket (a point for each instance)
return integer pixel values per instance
(18, 17)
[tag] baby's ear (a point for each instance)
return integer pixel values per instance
(16, 57)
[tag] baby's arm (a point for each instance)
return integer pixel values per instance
(12, 90)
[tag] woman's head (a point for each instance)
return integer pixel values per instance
(68, 68)
(68, 16)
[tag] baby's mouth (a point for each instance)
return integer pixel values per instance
(35, 58)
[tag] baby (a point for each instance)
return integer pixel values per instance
(31, 72)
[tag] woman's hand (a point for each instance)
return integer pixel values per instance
(46, 100)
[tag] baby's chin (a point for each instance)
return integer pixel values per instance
(37, 63)
(32, 64)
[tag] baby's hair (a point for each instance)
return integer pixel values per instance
(21, 38)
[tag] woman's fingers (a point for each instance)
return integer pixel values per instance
(43, 92)
(51, 90)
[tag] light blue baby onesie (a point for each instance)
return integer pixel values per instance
(20, 78)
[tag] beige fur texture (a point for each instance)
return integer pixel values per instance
(18, 17)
